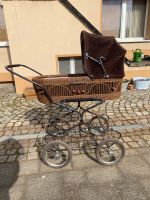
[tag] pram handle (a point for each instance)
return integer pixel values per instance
(10, 69)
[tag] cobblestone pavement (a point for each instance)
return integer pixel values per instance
(22, 121)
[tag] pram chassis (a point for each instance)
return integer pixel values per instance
(52, 150)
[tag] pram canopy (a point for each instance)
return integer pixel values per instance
(105, 49)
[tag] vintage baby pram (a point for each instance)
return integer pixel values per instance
(103, 64)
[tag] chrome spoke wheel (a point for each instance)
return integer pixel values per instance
(56, 154)
(110, 152)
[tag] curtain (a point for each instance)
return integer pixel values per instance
(3, 34)
(111, 17)
(135, 22)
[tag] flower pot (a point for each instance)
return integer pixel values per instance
(125, 83)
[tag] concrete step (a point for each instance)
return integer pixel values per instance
(29, 93)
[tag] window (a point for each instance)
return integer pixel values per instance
(70, 65)
(3, 33)
(125, 19)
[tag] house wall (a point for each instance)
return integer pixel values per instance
(131, 72)
(4, 60)
(38, 31)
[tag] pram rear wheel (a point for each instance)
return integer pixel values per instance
(110, 152)
(56, 154)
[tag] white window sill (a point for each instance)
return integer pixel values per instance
(132, 40)
(4, 44)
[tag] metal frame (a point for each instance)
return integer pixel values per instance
(80, 112)
(54, 150)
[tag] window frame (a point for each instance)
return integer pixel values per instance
(122, 37)
(72, 61)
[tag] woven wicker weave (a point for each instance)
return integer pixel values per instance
(79, 86)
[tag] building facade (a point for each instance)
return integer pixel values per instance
(46, 36)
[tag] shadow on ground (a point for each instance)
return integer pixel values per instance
(8, 171)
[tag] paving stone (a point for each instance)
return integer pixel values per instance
(146, 137)
(22, 157)
(2, 152)
(3, 158)
(8, 146)
(24, 132)
(1, 133)
(11, 151)
(143, 143)
(12, 158)
(133, 144)
(26, 123)
(10, 124)
(18, 123)
(32, 156)
(32, 149)
(8, 133)
(126, 145)
(127, 139)
(22, 150)
(135, 138)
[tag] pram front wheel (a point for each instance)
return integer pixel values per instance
(110, 152)
(56, 154)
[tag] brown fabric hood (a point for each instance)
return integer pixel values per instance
(106, 46)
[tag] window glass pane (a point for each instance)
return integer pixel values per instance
(3, 34)
(135, 22)
(78, 65)
(64, 65)
(111, 17)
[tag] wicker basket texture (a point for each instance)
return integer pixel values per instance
(60, 88)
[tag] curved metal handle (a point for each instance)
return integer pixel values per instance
(10, 69)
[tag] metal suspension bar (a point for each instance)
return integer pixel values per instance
(78, 15)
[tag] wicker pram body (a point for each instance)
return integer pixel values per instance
(79, 86)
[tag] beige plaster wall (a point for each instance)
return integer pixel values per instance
(4, 60)
(38, 31)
